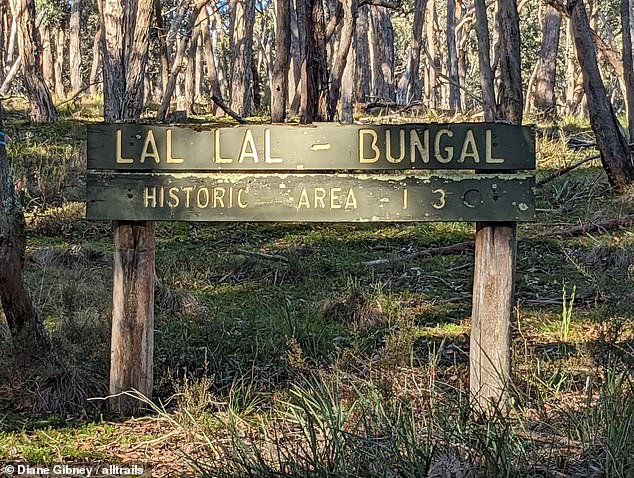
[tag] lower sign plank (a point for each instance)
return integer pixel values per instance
(308, 197)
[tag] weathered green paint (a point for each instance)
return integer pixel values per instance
(308, 197)
(322, 147)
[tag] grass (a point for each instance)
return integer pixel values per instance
(321, 366)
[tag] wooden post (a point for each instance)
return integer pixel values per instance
(493, 296)
(132, 346)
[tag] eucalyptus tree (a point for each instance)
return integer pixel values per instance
(29, 47)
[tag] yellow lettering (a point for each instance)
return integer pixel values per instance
(320, 194)
(388, 146)
(351, 200)
(442, 200)
(169, 158)
(248, 142)
(267, 148)
(405, 198)
(219, 194)
(448, 149)
(202, 200)
(161, 197)
(120, 159)
(149, 197)
(150, 141)
(188, 191)
(217, 155)
(489, 150)
(241, 205)
(373, 145)
(334, 198)
(469, 148)
(416, 145)
(173, 200)
(303, 200)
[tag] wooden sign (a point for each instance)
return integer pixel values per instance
(308, 197)
(474, 146)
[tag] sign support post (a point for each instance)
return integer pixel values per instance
(132, 346)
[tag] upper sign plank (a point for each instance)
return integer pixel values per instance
(322, 147)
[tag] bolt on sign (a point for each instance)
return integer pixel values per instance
(322, 173)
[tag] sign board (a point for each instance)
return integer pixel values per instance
(308, 197)
(459, 146)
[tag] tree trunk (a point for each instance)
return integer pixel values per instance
(96, 63)
(212, 69)
(615, 152)
(628, 65)
(42, 108)
(362, 87)
(452, 58)
(279, 83)
(295, 70)
(382, 54)
(510, 99)
(409, 85)
(341, 59)
(161, 35)
(241, 56)
(60, 45)
(314, 79)
(182, 46)
(125, 29)
(347, 88)
(547, 64)
(74, 52)
(29, 337)
(48, 67)
(484, 59)
(433, 66)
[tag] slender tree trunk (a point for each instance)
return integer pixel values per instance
(433, 67)
(125, 28)
(628, 64)
(616, 155)
(382, 54)
(48, 67)
(161, 35)
(96, 63)
(547, 64)
(182, 46)
(409, 85)
(60, 45)
(212, 68)
(347, 88)
(190, 72)
(241, 56)
(452, 58)
(30, 341)
(341, 59)
(295, 71)
(74, 52)
(362, 87)
(510, 98)
(484, 58)
(463, 35)
(279, 83)
(42, 108)
(314, 79)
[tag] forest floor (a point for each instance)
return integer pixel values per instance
(316, 364)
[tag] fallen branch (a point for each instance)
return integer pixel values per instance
(566, 170)
(601, 226)
(221, 104)
(261, 255)
(429, 252)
